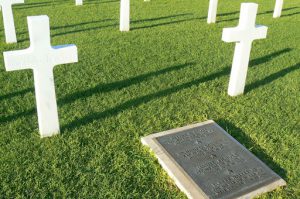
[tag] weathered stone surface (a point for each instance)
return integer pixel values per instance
(206, 162)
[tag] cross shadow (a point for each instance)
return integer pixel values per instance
(163, 24)
(17, 116)
(36, 5)
(103, 88)
(269, 57)
(137, 101)
(161, 18)
(144, 99)
(228, 13)
(262, 13)
(272, 77)
(245, 140)
(140, 100)
(288, 15)
(14, 94)
(81, 24)
(99, 2)
(76, 31)
(116, 24)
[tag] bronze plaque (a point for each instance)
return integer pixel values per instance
(206, 162)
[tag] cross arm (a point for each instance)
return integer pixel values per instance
(232, 35)
(261, 32)
(239, 34)
(65, 54)
(17, 60)
(17, 1)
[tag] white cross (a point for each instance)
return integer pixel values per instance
(79, 2)
(243, 35)
(8, 19)
(212, 11)
(124, 15)
(42, 57)
(278, 8)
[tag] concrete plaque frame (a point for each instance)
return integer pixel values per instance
(206, 162)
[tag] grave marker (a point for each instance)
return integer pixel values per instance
(206, 162)
(212, 11)
(8, 19)
(243, 35)
(79, 2)
(42, 57)
(278, 8)
(124, 15)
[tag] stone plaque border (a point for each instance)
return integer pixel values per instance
(182, 179)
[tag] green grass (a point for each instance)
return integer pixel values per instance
(171, 70)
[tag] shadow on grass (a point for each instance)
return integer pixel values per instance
(15, 94)
(116, 24)
(138, 101)
(81, 24)
(245, 140)
(17, 116)
(161, 18)
(262, 13)
(99, 2)
(141, 100)
(272, 78)
(103, 88)
(288, 15)
(133, 22)
(269, 57)
(89, 92)
(36, 5)
(163, 24)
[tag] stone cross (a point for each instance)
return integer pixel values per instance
(278, 8)
(79, 2)
(124, 15)
(212, 11)
(8, 19)
(42, 57)
(243, 35)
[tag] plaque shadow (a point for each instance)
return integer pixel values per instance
(245, 140)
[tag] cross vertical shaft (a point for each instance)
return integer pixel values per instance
(124, 15)
(79, 2)
(278, 8)
(8, 19)
(243, 35)
(9, 24)
(46, 102)
(212, 11)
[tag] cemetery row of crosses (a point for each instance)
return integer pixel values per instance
(42, 57)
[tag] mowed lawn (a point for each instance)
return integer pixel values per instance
(172, 69)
